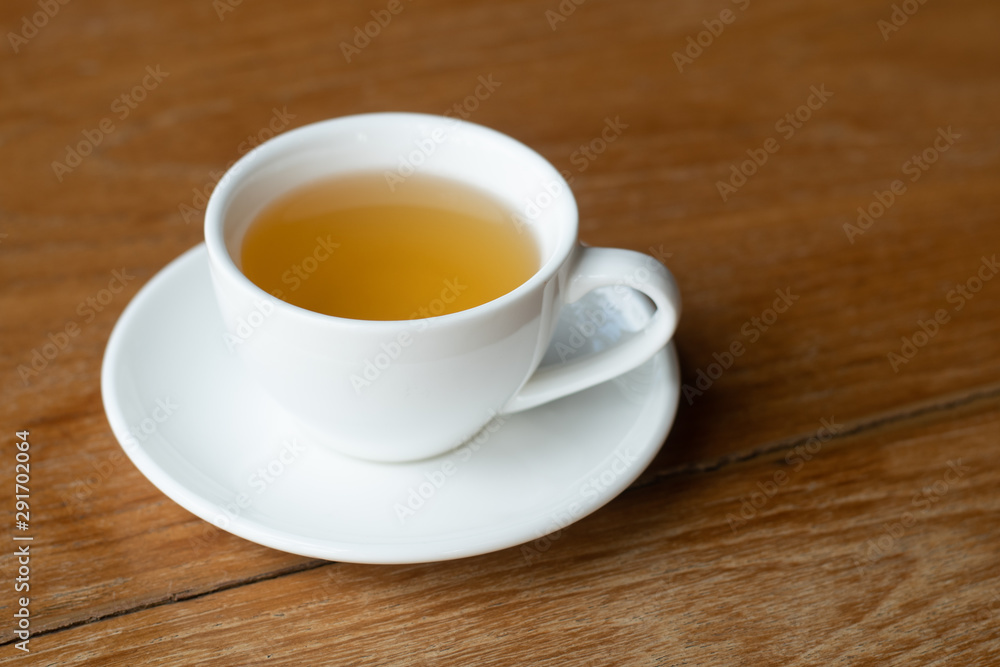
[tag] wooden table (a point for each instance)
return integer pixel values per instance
(827, 496)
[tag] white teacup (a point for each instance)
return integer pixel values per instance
(406, 390)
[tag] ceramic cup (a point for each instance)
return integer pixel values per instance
(407, 390)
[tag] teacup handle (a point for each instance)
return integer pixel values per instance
(604, 267)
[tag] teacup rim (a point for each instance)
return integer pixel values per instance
(220, 258)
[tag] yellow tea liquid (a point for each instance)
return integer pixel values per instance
(351, 247)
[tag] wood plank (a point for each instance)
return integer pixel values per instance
(879, 548)
(107, 541)
(653, 188)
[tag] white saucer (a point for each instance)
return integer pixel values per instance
(202, 432)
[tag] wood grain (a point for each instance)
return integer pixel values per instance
(114, 545)
(878, 548)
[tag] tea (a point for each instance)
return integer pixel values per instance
(350, 247)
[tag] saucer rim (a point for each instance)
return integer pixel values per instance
(405, 550)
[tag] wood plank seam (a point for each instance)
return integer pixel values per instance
(851, 428)
(182, 597)
(848, 430)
